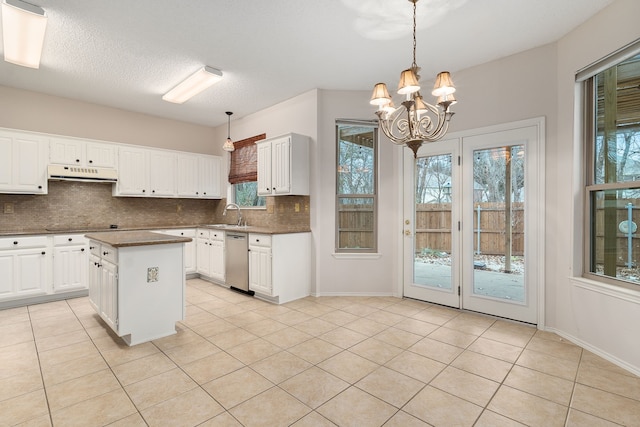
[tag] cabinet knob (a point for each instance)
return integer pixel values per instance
(205, 193)
(90, 161)
(105, 253)
(15, 243)
(144, 191)
(77, 160)
(39, 187)
(82, 250)
(197, 193)
(70, 239)
(43, 252)
(92, 247)
(153, 191)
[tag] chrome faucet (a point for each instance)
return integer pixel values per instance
(233, 205)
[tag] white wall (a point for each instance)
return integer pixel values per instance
(37, 112)
(353, 276)
(603, 320)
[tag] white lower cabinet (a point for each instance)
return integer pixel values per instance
(139, 290)
(103, 282)
(211, 254)
(24, 263)
(70, 266)
(190, 249)
(280, 266)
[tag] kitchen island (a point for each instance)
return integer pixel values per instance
(137, 282)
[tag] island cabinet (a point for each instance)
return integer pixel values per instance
(137, 283)
(280, 266)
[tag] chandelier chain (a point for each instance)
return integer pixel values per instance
(414, 65)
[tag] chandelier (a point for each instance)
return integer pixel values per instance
(415, 121)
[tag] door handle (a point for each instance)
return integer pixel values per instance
(407, 232)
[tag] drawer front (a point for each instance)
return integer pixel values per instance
(70, 239)
(186, 232)
(95, 247)
(202, 233)
(216, 235)
(109, 253)
(260, 240)
(23, 242)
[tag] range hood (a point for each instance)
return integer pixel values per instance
(84, 174)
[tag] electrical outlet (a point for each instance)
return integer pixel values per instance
(9, 208)
(296, 207)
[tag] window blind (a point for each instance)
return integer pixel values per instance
(244, 160)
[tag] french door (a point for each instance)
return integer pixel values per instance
(473, 221)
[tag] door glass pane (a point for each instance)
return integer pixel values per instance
(498, 203)
(432, 251)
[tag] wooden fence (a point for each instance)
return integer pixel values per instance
(433, 228)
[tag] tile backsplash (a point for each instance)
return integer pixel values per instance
(75, 205)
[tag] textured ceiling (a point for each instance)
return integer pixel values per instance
(128, 53)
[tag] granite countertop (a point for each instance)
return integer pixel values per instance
(119, 239)
(256, 229)
(94, 229)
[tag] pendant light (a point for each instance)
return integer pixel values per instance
(228, 145)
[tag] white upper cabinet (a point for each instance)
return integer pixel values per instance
(133, 172)
(188, 183)
(162, 173)
(283, 165)
(76, 152)
(23, 163)
(209, 177)
(198, 176)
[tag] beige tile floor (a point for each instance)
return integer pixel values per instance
(346, 361)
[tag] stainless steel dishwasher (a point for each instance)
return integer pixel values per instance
(237, 261)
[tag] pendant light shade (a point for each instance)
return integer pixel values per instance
(228, 144)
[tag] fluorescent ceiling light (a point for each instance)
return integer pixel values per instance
(193, 85)
(23, 27)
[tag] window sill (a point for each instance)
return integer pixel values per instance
(352, 255)
(618, 292)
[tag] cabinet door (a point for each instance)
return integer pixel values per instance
(70, 264)
(188, 176)
(162, 174)
(217, 259)
(31, 271)
(264, 169)
(281, 166)
(7, 272)
(260, 270)
(133, 172)
(203, 257)
(100, 155)
(23, 163)
(66, 151)
(109, 294)
(209, 177)
(190, 261)
(95, 277)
